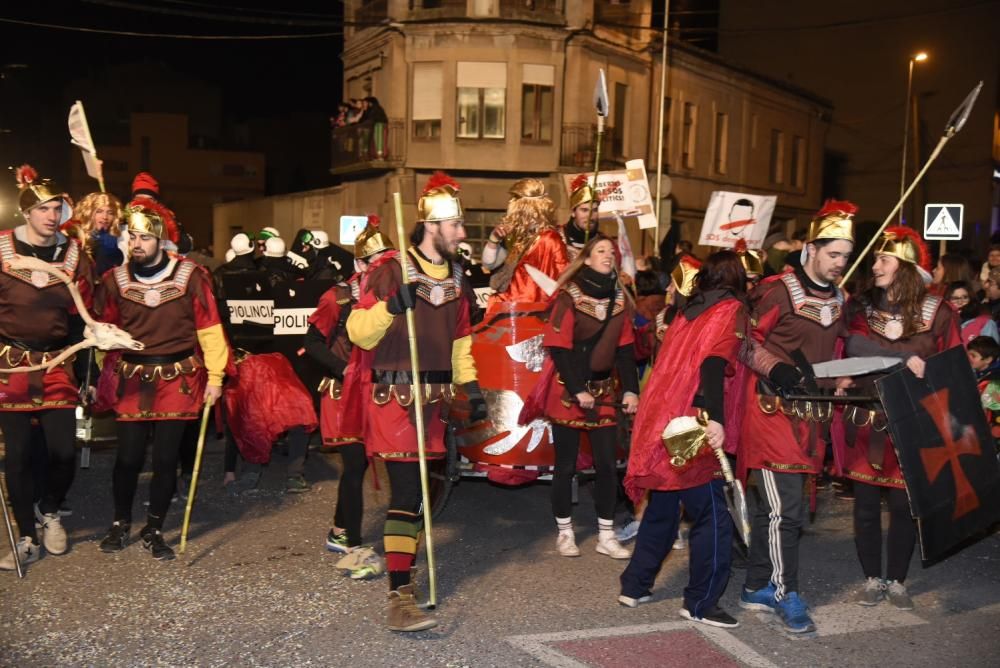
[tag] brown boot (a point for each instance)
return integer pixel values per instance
(404, 615)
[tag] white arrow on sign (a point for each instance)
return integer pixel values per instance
(943, 221)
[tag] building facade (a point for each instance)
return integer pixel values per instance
(192, 179)
(495, 90)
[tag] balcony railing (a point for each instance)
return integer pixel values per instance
(368, 146)
(578, 142)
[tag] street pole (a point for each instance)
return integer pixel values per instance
(659, 141)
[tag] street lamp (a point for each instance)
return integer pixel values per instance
(916, 58)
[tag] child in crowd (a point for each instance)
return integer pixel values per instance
(984, 356)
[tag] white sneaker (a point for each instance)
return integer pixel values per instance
(566, 545)
(53, 534)
(630, 602)
(627, 531)
(27, 553)
(609, 545)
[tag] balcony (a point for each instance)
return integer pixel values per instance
(368, 147)
(577, 148)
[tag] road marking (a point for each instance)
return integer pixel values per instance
(536, 644)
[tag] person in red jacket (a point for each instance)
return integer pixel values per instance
(896, 317)
(689, 380)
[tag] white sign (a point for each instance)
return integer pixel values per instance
(943, 221)
(734, 216)
(350, 228)
(625, 193)
(292, 320)
(259, 311)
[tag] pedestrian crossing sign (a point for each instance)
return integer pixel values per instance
(943, 221)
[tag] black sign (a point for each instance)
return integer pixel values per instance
(294, 302)
(946, 451)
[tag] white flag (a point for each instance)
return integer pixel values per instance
(79, 133)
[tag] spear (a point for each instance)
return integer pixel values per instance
(418, 406)
(955, 123)
(601, 105)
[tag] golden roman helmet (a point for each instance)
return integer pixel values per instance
(143, 219)
(907, 245)
(752, 261)
(834, 221)
(371, 240)
(684, 274)
(439, 200)
(580, 191)
(35, 191)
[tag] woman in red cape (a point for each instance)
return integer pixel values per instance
(692, 376)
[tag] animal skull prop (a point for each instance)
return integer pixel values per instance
(101, 335)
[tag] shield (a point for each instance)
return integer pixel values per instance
(294, 302)
(249, 309)
(945, 450)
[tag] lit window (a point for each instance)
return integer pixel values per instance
(482, 100)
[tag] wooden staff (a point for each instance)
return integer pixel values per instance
(205, 411)
(418, 406)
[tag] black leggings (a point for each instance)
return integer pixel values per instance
(23, 443)
(868, 531)
(350, 494)
(132, 438)
(603, 446)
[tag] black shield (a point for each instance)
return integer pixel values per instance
(294, 302)
(945, 449)
(249, 310)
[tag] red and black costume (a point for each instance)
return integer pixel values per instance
(38, 319)
(878, 327)
(693, 374)
(168, 306)
(590, 340)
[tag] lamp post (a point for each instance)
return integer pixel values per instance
(916, 58)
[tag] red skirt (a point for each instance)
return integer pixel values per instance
(858, 464)
(178, 399)
(773, 441)
(561, 409)
(390, 431)
(57, 391)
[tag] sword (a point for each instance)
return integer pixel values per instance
(854, 366)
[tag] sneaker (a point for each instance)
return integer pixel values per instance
(371, 568)
(609, 545)
(337, 542)
(682, 540)
(566, 545)
(630, 602)
(714, 617)
(53, 536)
(627, 531)
(896, 592)
(27, 553)
(152, 540)
(116, 538)
(245, 483)
(404, 615)
(794, 614)
(296, 485)
(843, 490)
(761, 600)
(871, 593)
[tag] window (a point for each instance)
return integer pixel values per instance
(799, 162)
(427, 95)
(618, 129)
(482, 100)
(690, 132)
(537, 102)
(721, 142)
(777, 156)
(478, 225)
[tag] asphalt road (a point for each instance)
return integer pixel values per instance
(257, 588)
